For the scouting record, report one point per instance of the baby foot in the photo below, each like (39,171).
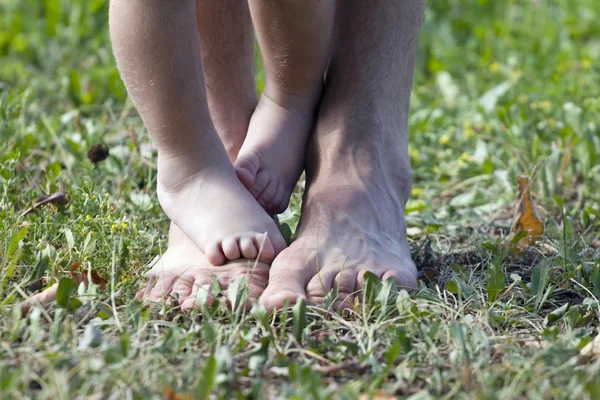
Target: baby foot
(207,201)
(272,157)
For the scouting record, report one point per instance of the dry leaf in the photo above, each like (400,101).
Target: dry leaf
(82,276)
(98,153)
(528,219)
(170,394)
(376,396)
(592,348)
(60,198)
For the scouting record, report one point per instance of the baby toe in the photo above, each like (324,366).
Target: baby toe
(247,247)
(260,183)
(246,168)
(214,253)
(266,251)
(231,248)
(266,196)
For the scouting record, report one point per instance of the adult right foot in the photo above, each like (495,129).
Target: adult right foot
(207,201)
(352,219)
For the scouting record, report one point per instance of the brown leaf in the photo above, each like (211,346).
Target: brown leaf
(379,395)
(528,219)
(82,276)
(58,198)
(97,153)
(170,394)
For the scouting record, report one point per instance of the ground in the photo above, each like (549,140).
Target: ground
(503,88)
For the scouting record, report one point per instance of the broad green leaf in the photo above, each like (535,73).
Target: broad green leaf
(299,319)
(496,282)
(66,288)
(539,280)
(371,287)
(286,232)
(15,239)
(207,380)
(557,314)
(237,292)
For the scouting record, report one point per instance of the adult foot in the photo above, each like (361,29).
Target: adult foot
(272,156)
(352,220)
(357,168)
(183,270)
(207,201)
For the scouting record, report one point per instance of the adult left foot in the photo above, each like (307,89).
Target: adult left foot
(183,270)
(352,218)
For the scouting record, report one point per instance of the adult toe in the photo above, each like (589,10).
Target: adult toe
(287,281)
(344,286)
(404,279)
(319,286)
(163,287)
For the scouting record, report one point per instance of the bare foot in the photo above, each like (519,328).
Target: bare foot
(215,211)
(352,222)
(272,157)
(183,270)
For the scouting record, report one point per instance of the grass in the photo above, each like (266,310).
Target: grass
(502,88)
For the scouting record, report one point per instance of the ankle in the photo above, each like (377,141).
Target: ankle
(304,101)
(176,169)
(358,150)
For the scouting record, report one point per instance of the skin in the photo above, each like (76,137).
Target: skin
(357,164)
(294,79)
(228,61)
(358,173)
(156,45)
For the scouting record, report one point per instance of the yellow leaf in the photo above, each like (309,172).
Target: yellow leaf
(528,219)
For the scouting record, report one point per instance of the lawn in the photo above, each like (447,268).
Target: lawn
(502,89)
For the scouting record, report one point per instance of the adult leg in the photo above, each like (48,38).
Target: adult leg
(295,38)
(156,45)
(358,171)
(227,49)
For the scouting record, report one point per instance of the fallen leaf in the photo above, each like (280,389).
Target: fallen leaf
(592,348)
(60,198)
(376,396)
(49,295)
(97,153)
(170,394)
(82,276)
(528,219)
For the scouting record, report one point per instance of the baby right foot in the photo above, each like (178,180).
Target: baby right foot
(210,205)
(272,157)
